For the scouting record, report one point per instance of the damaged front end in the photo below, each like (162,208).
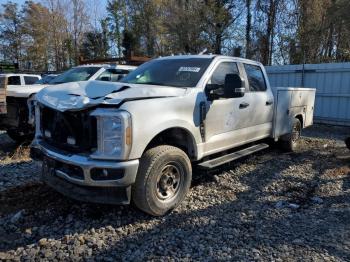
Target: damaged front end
(84,153)
(84,139)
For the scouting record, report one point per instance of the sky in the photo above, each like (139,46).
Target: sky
(103,2)
(14,1)
(100,3)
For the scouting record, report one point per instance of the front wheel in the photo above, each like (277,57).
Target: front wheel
(291,141)
(163,180)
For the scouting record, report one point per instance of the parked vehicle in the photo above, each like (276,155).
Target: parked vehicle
(93,72)
(13,102)
(15,118)
(137,140)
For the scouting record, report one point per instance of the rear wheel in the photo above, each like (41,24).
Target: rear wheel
(163,180)
(291,141)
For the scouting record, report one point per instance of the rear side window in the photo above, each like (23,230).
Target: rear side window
(113,75)
(255,77)
(224,68)
(29,80)
(14,80)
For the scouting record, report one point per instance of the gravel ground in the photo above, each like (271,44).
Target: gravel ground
(272,206)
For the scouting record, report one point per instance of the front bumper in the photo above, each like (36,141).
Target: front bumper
(81,177)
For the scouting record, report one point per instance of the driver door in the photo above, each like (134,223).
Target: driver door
(227,118)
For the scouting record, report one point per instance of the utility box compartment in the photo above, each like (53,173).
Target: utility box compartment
(3,86)
(289,103)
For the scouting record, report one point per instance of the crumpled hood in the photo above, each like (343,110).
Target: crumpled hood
(79,95)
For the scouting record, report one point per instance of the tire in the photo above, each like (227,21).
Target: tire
(291,141)
(163,180)
(18,137)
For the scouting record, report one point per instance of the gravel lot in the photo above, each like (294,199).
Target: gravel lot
(272,206)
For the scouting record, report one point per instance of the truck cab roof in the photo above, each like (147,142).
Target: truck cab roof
(110,66)
(15,74)
(238,59)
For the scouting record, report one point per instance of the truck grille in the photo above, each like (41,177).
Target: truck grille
(74,132)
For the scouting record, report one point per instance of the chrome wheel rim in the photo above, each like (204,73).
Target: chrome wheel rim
(169,182)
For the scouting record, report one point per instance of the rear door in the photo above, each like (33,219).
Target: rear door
(14,80)
(261,101)
(3,85)
(13,83)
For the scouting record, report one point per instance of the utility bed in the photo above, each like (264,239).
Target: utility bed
(289,102)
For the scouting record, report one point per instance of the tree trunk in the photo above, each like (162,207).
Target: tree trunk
(218,43)
(248,30)
(268,41)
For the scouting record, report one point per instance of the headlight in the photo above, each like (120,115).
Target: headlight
(113,134)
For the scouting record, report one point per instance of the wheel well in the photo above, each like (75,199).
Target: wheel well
(300,117)
(177,137)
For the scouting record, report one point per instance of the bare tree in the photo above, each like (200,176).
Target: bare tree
(35,27)
(248,27)
(58,34)
(78,21)
(11,32)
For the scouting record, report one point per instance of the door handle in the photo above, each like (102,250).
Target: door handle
(268,103)
(243,105)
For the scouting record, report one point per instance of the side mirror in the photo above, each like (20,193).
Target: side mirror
(234,86)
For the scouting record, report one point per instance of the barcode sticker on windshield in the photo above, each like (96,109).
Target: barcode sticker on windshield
(189,69)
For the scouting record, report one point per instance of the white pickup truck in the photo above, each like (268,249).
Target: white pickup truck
(15,95)
(137,140)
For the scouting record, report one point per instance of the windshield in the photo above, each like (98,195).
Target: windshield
(45,80)
(176,72)
(75,74)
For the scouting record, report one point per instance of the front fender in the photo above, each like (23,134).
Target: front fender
(143,137)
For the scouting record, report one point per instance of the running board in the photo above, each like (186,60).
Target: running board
(233,156)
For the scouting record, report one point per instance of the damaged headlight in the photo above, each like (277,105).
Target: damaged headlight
(113,134)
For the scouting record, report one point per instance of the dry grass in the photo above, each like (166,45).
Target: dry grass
(20,154)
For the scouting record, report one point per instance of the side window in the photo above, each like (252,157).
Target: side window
(113,75)
(255,77)
(29,80)
(14,80)
(104,76)
(224,68)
